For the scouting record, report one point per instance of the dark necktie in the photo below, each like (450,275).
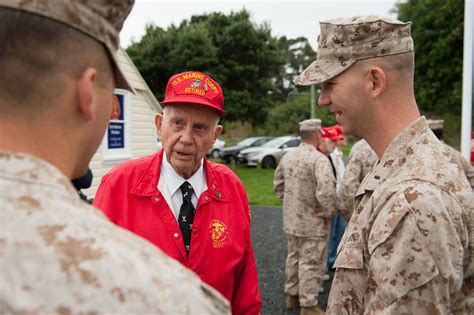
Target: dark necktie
(186,215)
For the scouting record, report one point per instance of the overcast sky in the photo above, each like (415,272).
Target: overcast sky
(289,18)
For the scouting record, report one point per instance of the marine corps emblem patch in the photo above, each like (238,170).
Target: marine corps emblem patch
(196,83)
(218,231)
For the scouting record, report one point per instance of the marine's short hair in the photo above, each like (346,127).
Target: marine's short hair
(39,56)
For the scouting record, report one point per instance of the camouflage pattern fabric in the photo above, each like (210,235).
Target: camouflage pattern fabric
(404,250)
(464,165)
(304,181)
(361,160)
(60,255)
(305,269)
(345,40)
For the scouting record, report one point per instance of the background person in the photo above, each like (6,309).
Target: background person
(195,210)
(360,162)
(305,182)
(438,126)
(407,242)
(338,223)
(58,254)
(337,136)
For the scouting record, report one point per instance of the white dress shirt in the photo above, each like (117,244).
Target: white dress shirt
(170,182)
(336,157)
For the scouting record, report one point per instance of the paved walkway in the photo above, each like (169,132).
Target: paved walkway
(269,243)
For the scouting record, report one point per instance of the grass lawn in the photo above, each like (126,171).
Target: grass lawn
(259,185)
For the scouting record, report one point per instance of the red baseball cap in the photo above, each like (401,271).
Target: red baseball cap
(194,87)
(333,132)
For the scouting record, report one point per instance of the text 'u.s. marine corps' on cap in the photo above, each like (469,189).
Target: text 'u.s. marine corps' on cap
(194,87)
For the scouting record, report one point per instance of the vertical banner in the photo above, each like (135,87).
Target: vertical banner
(117,109)
(116,130)
(116,143)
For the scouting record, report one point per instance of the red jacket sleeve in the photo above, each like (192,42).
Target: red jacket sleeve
(246,298)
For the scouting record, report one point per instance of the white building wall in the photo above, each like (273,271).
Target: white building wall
(143,132)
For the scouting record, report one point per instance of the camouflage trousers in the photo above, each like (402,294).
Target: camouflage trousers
(306,268)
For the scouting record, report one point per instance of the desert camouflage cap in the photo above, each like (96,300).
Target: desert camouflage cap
(100,19)
(345,40)
(310,124)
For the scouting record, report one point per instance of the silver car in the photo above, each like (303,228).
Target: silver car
(214,152)
(269,154)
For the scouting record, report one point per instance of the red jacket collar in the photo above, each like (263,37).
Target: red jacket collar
(148,181)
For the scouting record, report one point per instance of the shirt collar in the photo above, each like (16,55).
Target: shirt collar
(395,151)
(336,152)
(174,181)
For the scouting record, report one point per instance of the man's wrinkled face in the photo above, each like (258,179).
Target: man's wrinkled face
(187,132)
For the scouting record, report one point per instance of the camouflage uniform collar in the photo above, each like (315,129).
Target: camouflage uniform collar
(396,149)
(304,144)
(31,169)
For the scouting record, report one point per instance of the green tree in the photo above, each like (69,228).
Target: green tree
(298,55)
(285,116)
(242,56)
(437,31)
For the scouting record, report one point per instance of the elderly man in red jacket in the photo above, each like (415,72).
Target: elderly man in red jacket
(194,210)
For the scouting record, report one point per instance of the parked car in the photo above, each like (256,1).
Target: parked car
(214,152)
(231,153)
(270,153)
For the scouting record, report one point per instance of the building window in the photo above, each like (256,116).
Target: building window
(116,144)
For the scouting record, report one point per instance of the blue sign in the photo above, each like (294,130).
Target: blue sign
(116,135)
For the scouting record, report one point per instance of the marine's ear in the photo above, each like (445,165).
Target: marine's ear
(85,93)
(377,81)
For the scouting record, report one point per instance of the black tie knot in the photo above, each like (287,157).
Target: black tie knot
(187,191)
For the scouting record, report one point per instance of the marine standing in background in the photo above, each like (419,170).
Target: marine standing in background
(305,182)
(338,223)
(438,126)
(337,137)
(361,161)
(406,248)
(59,255)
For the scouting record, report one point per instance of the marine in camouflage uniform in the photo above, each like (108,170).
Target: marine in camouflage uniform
(463,164)
(59,255)
(408,246)
(361,160)
(403,252)
(305,182)
(437,125)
